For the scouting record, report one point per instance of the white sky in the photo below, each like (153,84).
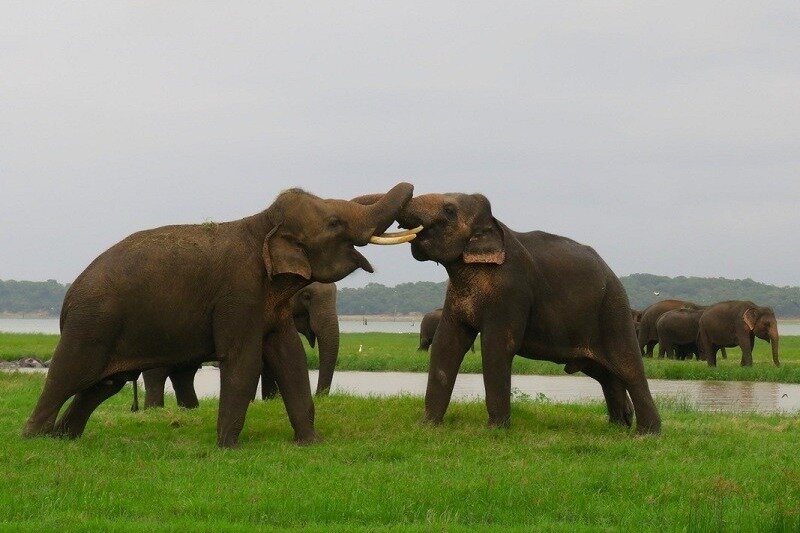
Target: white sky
(666,137)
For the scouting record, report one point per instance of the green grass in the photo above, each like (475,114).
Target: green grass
(560,467)
(398,352)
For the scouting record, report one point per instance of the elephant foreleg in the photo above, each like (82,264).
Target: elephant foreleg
(450,344)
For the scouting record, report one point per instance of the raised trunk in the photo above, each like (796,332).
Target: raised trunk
(380,214)
(773,340)
(325,325)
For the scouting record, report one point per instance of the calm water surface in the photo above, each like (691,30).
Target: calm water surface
(727,396)
(50,325)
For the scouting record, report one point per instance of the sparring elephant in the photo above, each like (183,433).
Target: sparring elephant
(180,295)
(537,295)
(677,332)
(737,323)
(314,314)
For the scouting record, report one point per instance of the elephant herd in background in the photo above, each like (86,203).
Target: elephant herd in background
(682,329)
(177,296)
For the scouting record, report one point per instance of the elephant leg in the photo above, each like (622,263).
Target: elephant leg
(154,381)
(183,382)
(450,344)
(707,348)
(619,405)
(75,366)
(724,353)
(73,421)
(650,347)
(287,358)
(269,383)
(746,344)
(496,358)
(237,341)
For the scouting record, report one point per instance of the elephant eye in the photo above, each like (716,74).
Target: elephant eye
(334,223)
(449,210)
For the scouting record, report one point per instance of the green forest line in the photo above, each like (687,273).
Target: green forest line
(45,297)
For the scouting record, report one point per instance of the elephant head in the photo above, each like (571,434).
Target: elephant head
(314,309)
(455,227)
(762,323)
(315,238)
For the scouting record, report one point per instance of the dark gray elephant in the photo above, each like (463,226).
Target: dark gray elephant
(677,332)
(737,323)
(314,314)
(181,295)
(648,334)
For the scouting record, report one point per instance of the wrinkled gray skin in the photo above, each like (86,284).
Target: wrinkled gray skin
(314,313)
(737,323)
(181,295)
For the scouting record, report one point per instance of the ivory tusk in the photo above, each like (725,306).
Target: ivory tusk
(403,233)
(380,239)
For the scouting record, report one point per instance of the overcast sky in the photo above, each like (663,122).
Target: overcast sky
(666,137)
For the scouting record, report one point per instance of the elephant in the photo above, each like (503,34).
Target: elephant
(535,294)
(427,329)
(314,314)
(636,316)
(648,335)
(677,332)
(184,294)
(737,323)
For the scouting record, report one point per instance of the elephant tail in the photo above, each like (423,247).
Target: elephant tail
(135,405)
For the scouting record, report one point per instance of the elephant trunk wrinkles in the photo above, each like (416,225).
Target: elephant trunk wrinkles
(773,340)
(326,326)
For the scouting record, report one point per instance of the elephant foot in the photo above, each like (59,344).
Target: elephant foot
(307,440)
(499,423)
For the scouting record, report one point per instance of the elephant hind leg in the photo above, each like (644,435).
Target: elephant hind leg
(183,382)
(620,408)
(73,421)
(75,367)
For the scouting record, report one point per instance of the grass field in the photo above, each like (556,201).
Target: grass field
(560,467)
(398,352)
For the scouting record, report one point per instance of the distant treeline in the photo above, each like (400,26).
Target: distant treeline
(421,297)
(22,297)
(375,299)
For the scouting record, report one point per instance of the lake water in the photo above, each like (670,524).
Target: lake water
(50,325)
(725,396)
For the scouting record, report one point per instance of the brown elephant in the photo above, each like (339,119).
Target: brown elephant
(677,332)
(180,295)
(314,314)
(537,295)
(737,323)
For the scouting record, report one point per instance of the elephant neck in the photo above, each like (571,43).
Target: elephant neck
(260,224)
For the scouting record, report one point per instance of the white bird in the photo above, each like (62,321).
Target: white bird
(360,347)
(656,293)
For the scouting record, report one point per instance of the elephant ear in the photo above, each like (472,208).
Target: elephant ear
(283,256)
(485,246)
(749,318)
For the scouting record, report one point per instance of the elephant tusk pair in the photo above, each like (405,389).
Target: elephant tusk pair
(397,237)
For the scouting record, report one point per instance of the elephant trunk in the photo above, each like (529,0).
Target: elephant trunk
(325,325)
(773,340)
(379,212)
